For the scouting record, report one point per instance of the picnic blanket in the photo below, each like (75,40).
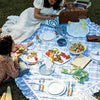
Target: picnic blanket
(29,82)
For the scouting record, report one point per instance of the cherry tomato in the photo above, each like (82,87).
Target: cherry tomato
(47,53)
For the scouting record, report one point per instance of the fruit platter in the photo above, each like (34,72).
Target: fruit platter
(57,56)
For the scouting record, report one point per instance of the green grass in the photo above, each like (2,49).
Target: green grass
(16,92)
(12,7)
(15,7)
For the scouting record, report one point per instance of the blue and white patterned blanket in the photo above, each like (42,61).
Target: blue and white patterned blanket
(29,82)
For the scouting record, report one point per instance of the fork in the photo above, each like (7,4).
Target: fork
(39,84)
(71,89)
(68,88)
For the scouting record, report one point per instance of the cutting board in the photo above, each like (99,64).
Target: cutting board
(81,61)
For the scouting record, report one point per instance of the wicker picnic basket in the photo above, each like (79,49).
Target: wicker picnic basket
(71,13)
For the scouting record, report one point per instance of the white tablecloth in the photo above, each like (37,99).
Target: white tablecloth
(29,82)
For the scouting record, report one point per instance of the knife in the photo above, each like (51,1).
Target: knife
(38,62)
(68,88)
(32,63)
(42,87)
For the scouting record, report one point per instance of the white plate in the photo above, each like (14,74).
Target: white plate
(70,43)
(24,57)
(47,36)
(56,88)
(64,59)
(76,30)
(94,55)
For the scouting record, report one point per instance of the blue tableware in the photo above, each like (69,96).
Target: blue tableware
(61,42)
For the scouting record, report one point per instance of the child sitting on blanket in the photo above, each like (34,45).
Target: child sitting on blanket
(17,46)
(9,68)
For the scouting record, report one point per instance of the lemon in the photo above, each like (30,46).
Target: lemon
(84,28)
(80,23)
(75,28)
(85,23)
(21,49)
(69,22)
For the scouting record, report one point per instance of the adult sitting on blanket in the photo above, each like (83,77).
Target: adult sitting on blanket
(23,26)
(9,68)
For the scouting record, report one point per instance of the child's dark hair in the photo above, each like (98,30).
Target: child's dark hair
(5,44)
(55,6)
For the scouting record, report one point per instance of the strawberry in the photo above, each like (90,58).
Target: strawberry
(67,56)
(64,55)
(61,53)
(35,58)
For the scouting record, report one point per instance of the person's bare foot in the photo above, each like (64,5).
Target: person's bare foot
(0,30)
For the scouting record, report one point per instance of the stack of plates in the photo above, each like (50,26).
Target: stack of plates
(56,88)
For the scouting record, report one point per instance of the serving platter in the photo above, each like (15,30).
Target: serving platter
(64,55)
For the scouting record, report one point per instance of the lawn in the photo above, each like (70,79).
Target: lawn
(15,7)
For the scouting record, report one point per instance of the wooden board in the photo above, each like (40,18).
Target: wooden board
(81,61)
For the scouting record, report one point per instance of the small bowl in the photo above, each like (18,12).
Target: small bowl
(61,42)
(70,43)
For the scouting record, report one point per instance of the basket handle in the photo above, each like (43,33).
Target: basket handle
(69,5)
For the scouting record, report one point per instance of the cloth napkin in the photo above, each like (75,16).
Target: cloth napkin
(52,23)
(77,72)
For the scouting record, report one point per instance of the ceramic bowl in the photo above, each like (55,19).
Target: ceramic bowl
(70,44)
(61,42)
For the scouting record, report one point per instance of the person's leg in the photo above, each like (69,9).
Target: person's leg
(23,68)
(0,30)
(7,81)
